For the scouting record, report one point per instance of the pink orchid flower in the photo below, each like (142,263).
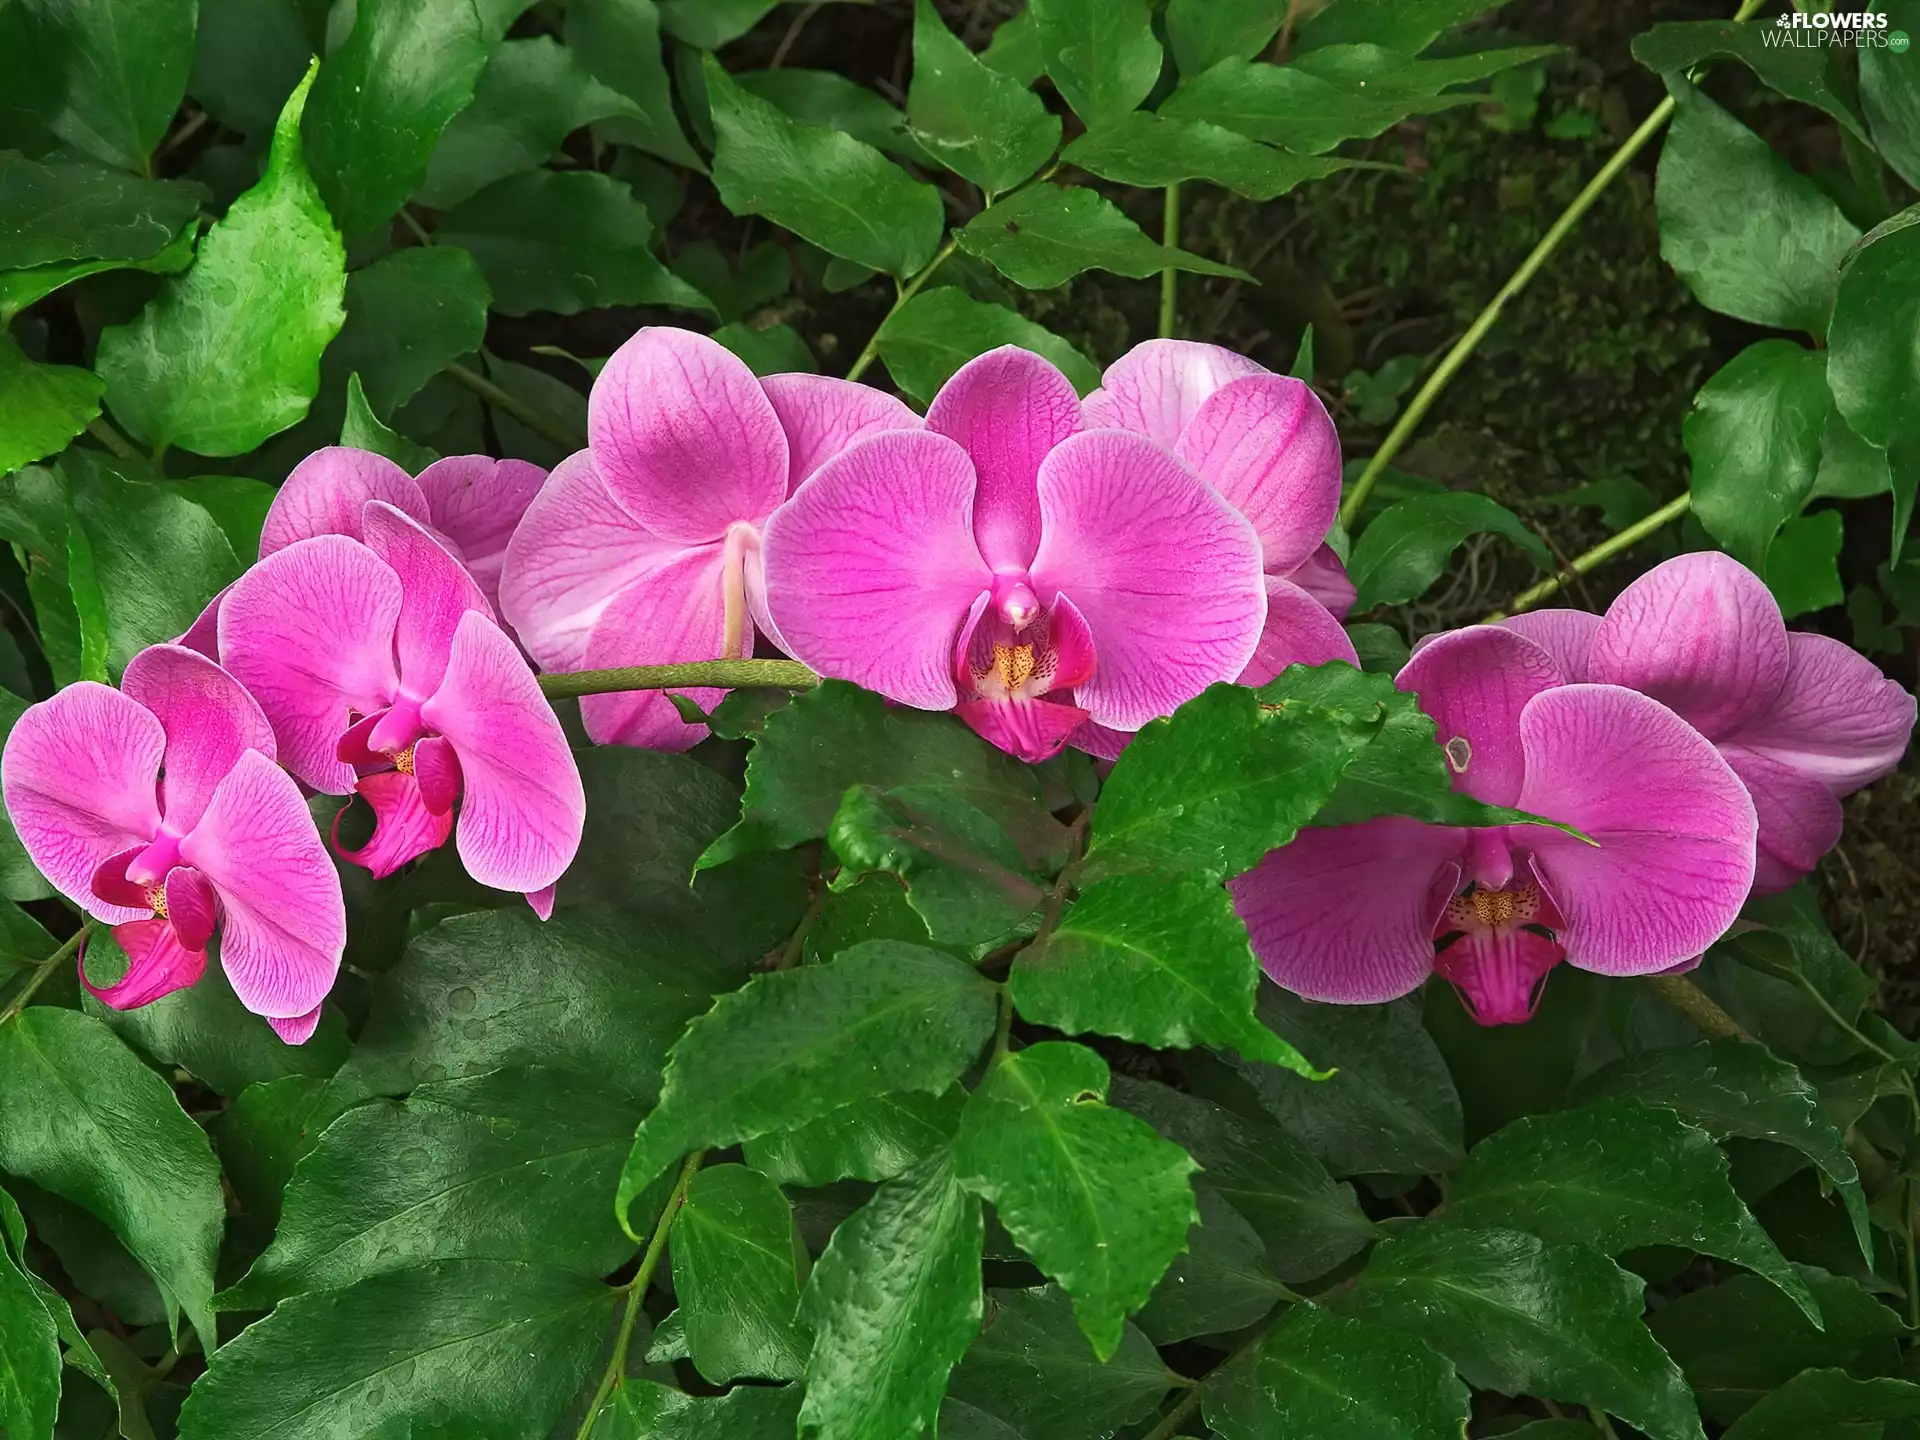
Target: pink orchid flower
(644,549)
(1358,914)
(1266,443)
(381,669)
(1039,578)
(158,808)
(1801,718)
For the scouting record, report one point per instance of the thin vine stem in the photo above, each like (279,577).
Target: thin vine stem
(1171,1422)
(1170,277)
(1701,1008)
(43,972)
(530,416)
(692,674)
(907,291)
(102,430)
(1598,555)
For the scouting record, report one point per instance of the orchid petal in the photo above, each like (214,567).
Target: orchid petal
(1475,683)
(437,769)
(872,566)
(1672,828)
(684,436)
(309,631)
(1498,972)
(574,551)
(1323,577)
(1800,818)
(1166,573)
(677,613)
(1029,730)
(1700,633)
(1158,386)
(1007,409)
(522,805)
(1346,914)
(157,965)
(1267,444)
(283,922)
(191,906)
(204,634)
(404,828)
(1836,719)
(1299,631)
(822,416)
(476,501)
(325,493)
(435,591)
(541,900)
(79,775)
(1567,635)
(209,718)
(298,1029)
(110,883)
(1100,742)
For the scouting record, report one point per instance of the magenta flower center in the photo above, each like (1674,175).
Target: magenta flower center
(1496,945)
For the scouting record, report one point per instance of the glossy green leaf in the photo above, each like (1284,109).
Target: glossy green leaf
(503,1347)
(1334,1378)
(1751,236)
(1155,150)
(776,350)
(29,1350)
(1754,439)
(1812,74)
(87,1121)
(21,288)
(1827,1402)
(237,504)
(364,430)
(830,101)
(1093,1194)
(964,877)
(564,241)
(1045,235)
(1101,54)
(825,186)
(42,407)
(1227,778)
(930,337)
(61,209)
(1890,94)
(978,122)
(13,1241)
(1408,26)
(894,1303)
(619,43)
(1408,545)
(710,24)
(1014,49)
(1033,1370)
(874,1139)
(1202,33)
(384,96)
(737,1268)
(1523,1317)
(792,1046)
(1850,468)
(264,1134)
(1390,1108)
(1872,359)
(1308,1221)
(1616,1175)
(1157,959)
(248,56)
(123,66)
(1224,1282)
(1803,564)
(268,284)
(642,1410)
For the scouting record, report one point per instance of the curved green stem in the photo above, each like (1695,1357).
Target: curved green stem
(717,674)
(102,430)
(1698,1006)
(530,416)
(907,291)
(43,971)
(1598,555)
(1170,277)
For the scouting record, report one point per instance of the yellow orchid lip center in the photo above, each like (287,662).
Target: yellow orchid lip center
(1487,909)
(1015,664)
(403,762)
(157,898)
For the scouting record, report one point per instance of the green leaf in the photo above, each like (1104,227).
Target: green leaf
(384,96)
(894,1303)
(791,1046)
(1754,439)
(42,407)
(1202,33)
(1803,564)
(1098,1199)
(1014,49)
(1032,1369)
(411,314)
(19,880)
(1811,74)
(825,186)
(1408,26)
(267,284)
(829,100)
(1873,355)
(364,430)
(709,24)
(836,736)
(1850,468)
(29,1348)
(564,241)
(1408,545)
(1101,54)
(981,124)
(21,288)
(503,1347)
(1731,1087)
(123,66)
(930,337)
(60,209)
(237,504)
(1156,150)
(737,1268)
(1160,960)
(1223,1283)
(87,1121)
(1308,1221)
(1890,94)
(619,42)
(1827,1402)
(1045,235)
(875,1139)
(1228,777)
(1751,236)
(264,1134)
(1390,1108)
(248,57)
(775,350)
(1526,1318)
(507,1166)
(1333,1378)
(964,877)
(642,1410)
(1616,1175)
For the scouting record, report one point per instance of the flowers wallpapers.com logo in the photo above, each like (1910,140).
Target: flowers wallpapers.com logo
(1861,29)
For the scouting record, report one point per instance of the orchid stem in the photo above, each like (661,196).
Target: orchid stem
(1464,347)
(694,674)
(531,417)
(1170,277)
(1595,557)
(907,291)
(102,430)
(1698,1006)
(40,975)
